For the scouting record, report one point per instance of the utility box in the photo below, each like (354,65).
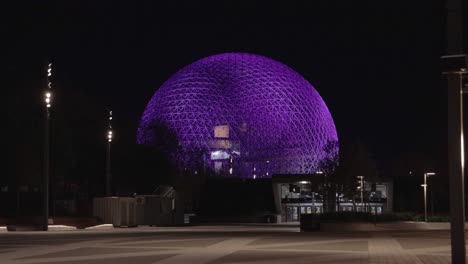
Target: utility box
(118,211)
(163,208)
(159,210)
(148,209)
(126,216)
(105,207)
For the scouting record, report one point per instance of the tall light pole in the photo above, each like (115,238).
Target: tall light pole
(427,174)
(46,165)
(456,157)
(361,188)
(455,68)
(110,135)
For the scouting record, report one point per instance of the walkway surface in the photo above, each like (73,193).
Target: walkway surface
(224,244)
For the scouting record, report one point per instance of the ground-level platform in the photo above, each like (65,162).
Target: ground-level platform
(226,244)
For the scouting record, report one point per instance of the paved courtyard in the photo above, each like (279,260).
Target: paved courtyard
(223,245)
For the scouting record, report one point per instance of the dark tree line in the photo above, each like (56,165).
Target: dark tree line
(341,168)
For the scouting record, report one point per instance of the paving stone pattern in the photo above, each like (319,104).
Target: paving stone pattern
(224,245)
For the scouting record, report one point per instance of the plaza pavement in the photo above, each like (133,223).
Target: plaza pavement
(230,244)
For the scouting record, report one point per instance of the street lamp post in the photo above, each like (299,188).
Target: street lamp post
(110,135)
(456,166)
(427,174)
(46,165)
(361,188)
(456,155)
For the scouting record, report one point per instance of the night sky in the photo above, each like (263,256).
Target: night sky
(375,64)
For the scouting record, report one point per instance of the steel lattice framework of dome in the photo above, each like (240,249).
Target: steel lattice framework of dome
(242,114)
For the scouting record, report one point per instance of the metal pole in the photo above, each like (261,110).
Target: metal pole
(431,194)
(108,169)
(455,134)
(362,191)
(313,202)
(456,167)
(45,183)
(425,197)
(46,165)
(108,156)
(361,178)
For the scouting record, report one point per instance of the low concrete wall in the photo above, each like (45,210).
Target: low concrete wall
(271,218)
(383,226)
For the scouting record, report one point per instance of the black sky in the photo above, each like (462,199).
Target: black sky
(376,64)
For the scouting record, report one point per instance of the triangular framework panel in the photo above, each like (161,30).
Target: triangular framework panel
(278,122)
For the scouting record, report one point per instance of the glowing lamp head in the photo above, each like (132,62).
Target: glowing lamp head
(49,70)
(48,99)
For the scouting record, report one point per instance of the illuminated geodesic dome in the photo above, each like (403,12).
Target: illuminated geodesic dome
(241,114)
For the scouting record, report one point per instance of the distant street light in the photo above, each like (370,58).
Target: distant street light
(427,174)
(361,188)
(110,135)
(46,165)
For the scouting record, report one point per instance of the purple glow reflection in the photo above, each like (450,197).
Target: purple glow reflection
(265,115)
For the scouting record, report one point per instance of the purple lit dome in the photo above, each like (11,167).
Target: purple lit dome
(242,115)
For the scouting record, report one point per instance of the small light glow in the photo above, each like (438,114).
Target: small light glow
(230,171)
(319,172)
(48,97)
(219,155)
(110,117)
(462,150)
(303,182)
(255,176)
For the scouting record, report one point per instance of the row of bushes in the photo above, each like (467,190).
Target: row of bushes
(386,217)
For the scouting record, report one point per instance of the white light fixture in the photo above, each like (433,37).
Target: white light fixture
(109,135)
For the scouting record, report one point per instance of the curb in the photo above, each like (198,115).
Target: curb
(100,227)
(61,228)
